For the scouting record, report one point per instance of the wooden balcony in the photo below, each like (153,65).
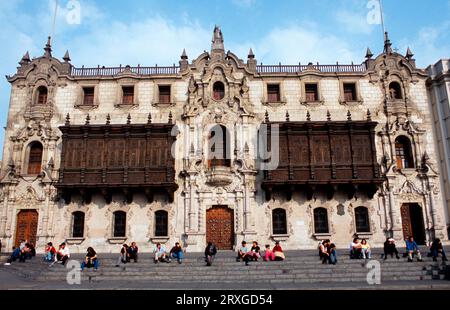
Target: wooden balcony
(325,156)
(109,159)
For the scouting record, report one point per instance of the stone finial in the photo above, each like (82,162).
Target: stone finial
(328,116)
(25,59)
(66,57)
(425,158)
(251,55)
(409,54)
(267,120)
(349,116)
(108,119)
(369,115)
(170,118)
(308,116)
(88,120)
(129,119)
(369,54)
(246,148)
(288,118)
(217,40)
(48,48)
(184,56)
(67,123)
(387,44)
(149,118)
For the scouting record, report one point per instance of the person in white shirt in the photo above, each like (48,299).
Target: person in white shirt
(63,254)
(355,249)
(160,253)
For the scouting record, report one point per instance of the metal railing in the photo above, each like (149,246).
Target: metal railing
(300,68)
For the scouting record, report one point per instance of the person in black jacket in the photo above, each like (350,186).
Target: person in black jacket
(436,248)
(390,248)
(210,253)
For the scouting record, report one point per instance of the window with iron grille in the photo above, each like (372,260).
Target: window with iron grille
(42,95)
(88,98)
(362,220)
(120,221)
(312,92)
(164,93)
(273,93)
(128,94)
(161,224)
(321,221)
(279,223)
(350,92)
(35,158)
(78,224)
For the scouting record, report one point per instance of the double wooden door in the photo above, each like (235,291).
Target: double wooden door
(27,225)
(220,227)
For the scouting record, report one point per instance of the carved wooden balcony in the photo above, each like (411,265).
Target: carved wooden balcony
(126,159)
(325,156)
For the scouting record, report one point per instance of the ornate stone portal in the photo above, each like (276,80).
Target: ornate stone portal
(356,146)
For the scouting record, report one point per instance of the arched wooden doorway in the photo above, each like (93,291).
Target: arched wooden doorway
(27,225)
(220,227)
(413,222)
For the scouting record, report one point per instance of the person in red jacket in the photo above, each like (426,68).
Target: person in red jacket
(278,252)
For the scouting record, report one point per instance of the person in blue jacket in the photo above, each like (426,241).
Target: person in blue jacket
(413,248)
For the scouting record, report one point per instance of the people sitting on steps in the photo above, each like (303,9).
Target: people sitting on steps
(133,252)
(412,249)
(14,256)
(243,253)
(63,254)
(124,256)
(390,248)
(323,250)
(436,249)
(278,252)
(268,254)
(160,254)
(50,253)
(356,249)
(91,260)
(365,249)
(210,253)
(254,253)
(177,253)
(332,254)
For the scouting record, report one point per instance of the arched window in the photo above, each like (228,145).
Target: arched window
(78,224)
(120,222)
(218,91)
(362,220)
(403,153)
(218,147)
(395,91)
(321,221)
(42,94)
(35,158)
(279,223)
(161,224)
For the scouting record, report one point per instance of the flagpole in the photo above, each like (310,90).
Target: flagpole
(54,20)
(382,20)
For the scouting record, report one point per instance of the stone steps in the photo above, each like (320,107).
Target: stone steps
(302,267)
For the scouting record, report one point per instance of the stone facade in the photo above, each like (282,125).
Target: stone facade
(245,105)
(439,94)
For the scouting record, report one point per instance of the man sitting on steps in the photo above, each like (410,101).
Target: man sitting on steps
(160,254)
(243,253)
(412,248)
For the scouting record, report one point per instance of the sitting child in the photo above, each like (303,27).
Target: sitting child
(50,252)
(268,255)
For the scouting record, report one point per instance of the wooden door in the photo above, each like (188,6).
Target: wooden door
(406,221)
(220,227)
(27,224)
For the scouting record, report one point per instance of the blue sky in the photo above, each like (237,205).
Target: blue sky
(149,32)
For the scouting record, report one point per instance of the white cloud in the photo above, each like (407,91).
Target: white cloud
(244,3)
(354,21)
(429,45)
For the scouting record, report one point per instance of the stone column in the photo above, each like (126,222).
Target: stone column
(395,227)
